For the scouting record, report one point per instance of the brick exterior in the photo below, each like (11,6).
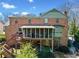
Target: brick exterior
(16,22)
(63,22)
(37,21)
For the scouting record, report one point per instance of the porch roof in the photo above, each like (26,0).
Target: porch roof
(36,26)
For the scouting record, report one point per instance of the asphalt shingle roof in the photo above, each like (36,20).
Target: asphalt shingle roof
(53,14)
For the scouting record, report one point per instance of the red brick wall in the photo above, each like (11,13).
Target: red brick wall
(14,24)
(37,21)
(13,27)
(64,23)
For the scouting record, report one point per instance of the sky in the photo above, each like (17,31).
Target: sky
(23,7)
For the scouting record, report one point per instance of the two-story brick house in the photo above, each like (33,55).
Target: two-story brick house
(49,29)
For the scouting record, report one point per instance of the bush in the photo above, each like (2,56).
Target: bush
(76,36)
(63,49)
(2,37)
(26,51)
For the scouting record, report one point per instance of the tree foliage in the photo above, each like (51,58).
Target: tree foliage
(73,28)
(77,36)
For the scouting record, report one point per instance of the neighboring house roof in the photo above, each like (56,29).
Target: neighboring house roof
(53,14)
(7,23)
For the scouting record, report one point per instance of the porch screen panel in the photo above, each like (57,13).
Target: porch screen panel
(50,33)
(41,33)
(37,33)
(33,33)
(28,32)
(46,33)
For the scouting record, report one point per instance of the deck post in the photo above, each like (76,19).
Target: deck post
(30,34)
(39,32)
(35,32)
(52,39)
(44,33)
(40,45)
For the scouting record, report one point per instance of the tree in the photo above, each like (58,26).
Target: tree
(73,28)
(26,51)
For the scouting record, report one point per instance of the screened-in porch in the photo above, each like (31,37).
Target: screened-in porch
(37,32)
(42,35)
(48,35)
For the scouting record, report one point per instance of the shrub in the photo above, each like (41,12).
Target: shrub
(2,37)
(63,49)
(26,51)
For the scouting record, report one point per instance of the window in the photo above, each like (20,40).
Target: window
(16,21)
(20,31)
(37,33)
(57,20)
(29,21)
(46,20)
(33,33)
(41,33)
(28,32)
(50,33)
(46,33)
(58,31)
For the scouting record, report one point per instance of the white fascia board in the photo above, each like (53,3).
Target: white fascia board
(37,27)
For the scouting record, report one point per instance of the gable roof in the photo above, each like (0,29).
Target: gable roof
(53,14)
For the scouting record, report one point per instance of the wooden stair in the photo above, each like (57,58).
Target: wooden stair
(7,49)
(7,52)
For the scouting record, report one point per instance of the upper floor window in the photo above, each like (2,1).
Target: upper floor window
(16,21)
(46,20)
(58,31)
(57,20)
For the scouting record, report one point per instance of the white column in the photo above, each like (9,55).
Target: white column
(53,35)
(44,32)
(23,33)
(31,32)
(47,41)
(26,32)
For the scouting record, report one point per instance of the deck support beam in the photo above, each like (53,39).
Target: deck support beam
(40,45)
